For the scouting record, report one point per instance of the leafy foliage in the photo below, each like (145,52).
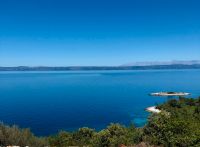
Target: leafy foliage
(20,137)
(179,127)
(113,135)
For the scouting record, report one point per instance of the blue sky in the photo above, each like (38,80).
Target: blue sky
(98,32)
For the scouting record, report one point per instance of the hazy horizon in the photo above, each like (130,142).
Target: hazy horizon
(98,33)
(142,63)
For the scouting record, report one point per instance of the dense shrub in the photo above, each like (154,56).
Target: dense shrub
(116,134)
(180,127)
(113,135)
(12,135)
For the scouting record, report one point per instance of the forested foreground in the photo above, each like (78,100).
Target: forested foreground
(178,124)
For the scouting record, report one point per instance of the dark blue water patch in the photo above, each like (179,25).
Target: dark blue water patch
(47,102)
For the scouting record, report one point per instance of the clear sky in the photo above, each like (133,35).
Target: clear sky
(98,32)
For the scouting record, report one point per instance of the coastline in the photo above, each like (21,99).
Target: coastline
(153,109)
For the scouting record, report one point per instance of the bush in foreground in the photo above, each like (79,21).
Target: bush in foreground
(12,135)
(113,136)
(179,127)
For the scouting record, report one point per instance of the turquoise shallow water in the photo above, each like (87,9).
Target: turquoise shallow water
(48,102)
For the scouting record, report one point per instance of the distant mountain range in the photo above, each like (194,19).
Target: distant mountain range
(174,62)
(195,64)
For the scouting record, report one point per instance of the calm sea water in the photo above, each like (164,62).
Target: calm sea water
(47,102)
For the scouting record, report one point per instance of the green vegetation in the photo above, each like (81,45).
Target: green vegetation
(21,137)
(178,125)
(113,135)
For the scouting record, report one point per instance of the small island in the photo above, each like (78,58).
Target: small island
(170,94)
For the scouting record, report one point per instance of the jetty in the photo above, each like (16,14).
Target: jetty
(153,109)
(169,94)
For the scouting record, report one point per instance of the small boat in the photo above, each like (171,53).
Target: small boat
(170,94)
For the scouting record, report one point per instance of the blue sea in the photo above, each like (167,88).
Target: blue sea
(47,102)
